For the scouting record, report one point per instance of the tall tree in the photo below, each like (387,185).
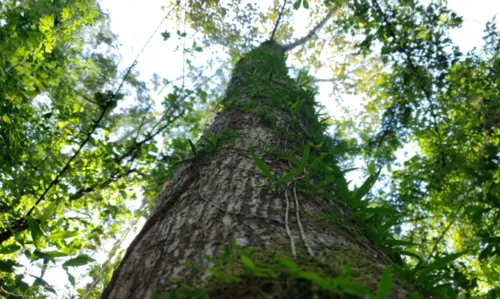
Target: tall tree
(258,181)
(74,156)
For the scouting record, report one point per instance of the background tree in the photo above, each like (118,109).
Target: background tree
(72,152)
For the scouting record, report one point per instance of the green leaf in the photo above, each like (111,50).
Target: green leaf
(9,249)
(291,267)
(380,211)
(165,35)
(248,263)
(293,160)
(359,193)
(36,231)
(305,3)
(317,279)
(193,148)
(412,254)
(328,179)
(296,5)
(224,277)
(7,266)
(80,260)
(344,191)
(48,212)
(305,155)
(397,243)
(262,166)
(71,279)
(440,263)
(415,295)
(385,285)
(290,175)
(6,119)
(54,254)
(390,223)
(346,285)
(58,235)
(317,161)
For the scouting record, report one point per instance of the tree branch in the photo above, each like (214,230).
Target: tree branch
(278,21)
(311,33)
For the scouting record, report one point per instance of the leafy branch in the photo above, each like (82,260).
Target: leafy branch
(109,103)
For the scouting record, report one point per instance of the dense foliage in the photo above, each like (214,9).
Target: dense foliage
(85,144)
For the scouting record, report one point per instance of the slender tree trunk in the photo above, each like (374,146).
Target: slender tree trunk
(218,197)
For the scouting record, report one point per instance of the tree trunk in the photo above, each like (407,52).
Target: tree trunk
(218,199)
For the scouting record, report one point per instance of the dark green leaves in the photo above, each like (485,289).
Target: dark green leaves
(193,149)
(438,264)
(290,175)
(9,249)
(362,191)
(165,35)
(397,243)
(296,4)
(305,3)
(7,265)
(80,260)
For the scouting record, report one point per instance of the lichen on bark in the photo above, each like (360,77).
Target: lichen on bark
(223,196)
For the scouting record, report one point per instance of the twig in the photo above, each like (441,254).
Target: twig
(113,251)
(9,293)
(309,35)
(434,248)
(154,33)
(278,21)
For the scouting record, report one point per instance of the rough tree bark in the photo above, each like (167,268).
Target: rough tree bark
(218,197)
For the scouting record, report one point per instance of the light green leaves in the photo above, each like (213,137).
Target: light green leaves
(257,270)
(6,119)
(48,212)
(60,235)
(65,14)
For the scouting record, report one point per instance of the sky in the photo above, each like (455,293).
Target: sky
(135,21)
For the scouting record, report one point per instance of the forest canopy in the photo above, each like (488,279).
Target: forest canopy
(87,142)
